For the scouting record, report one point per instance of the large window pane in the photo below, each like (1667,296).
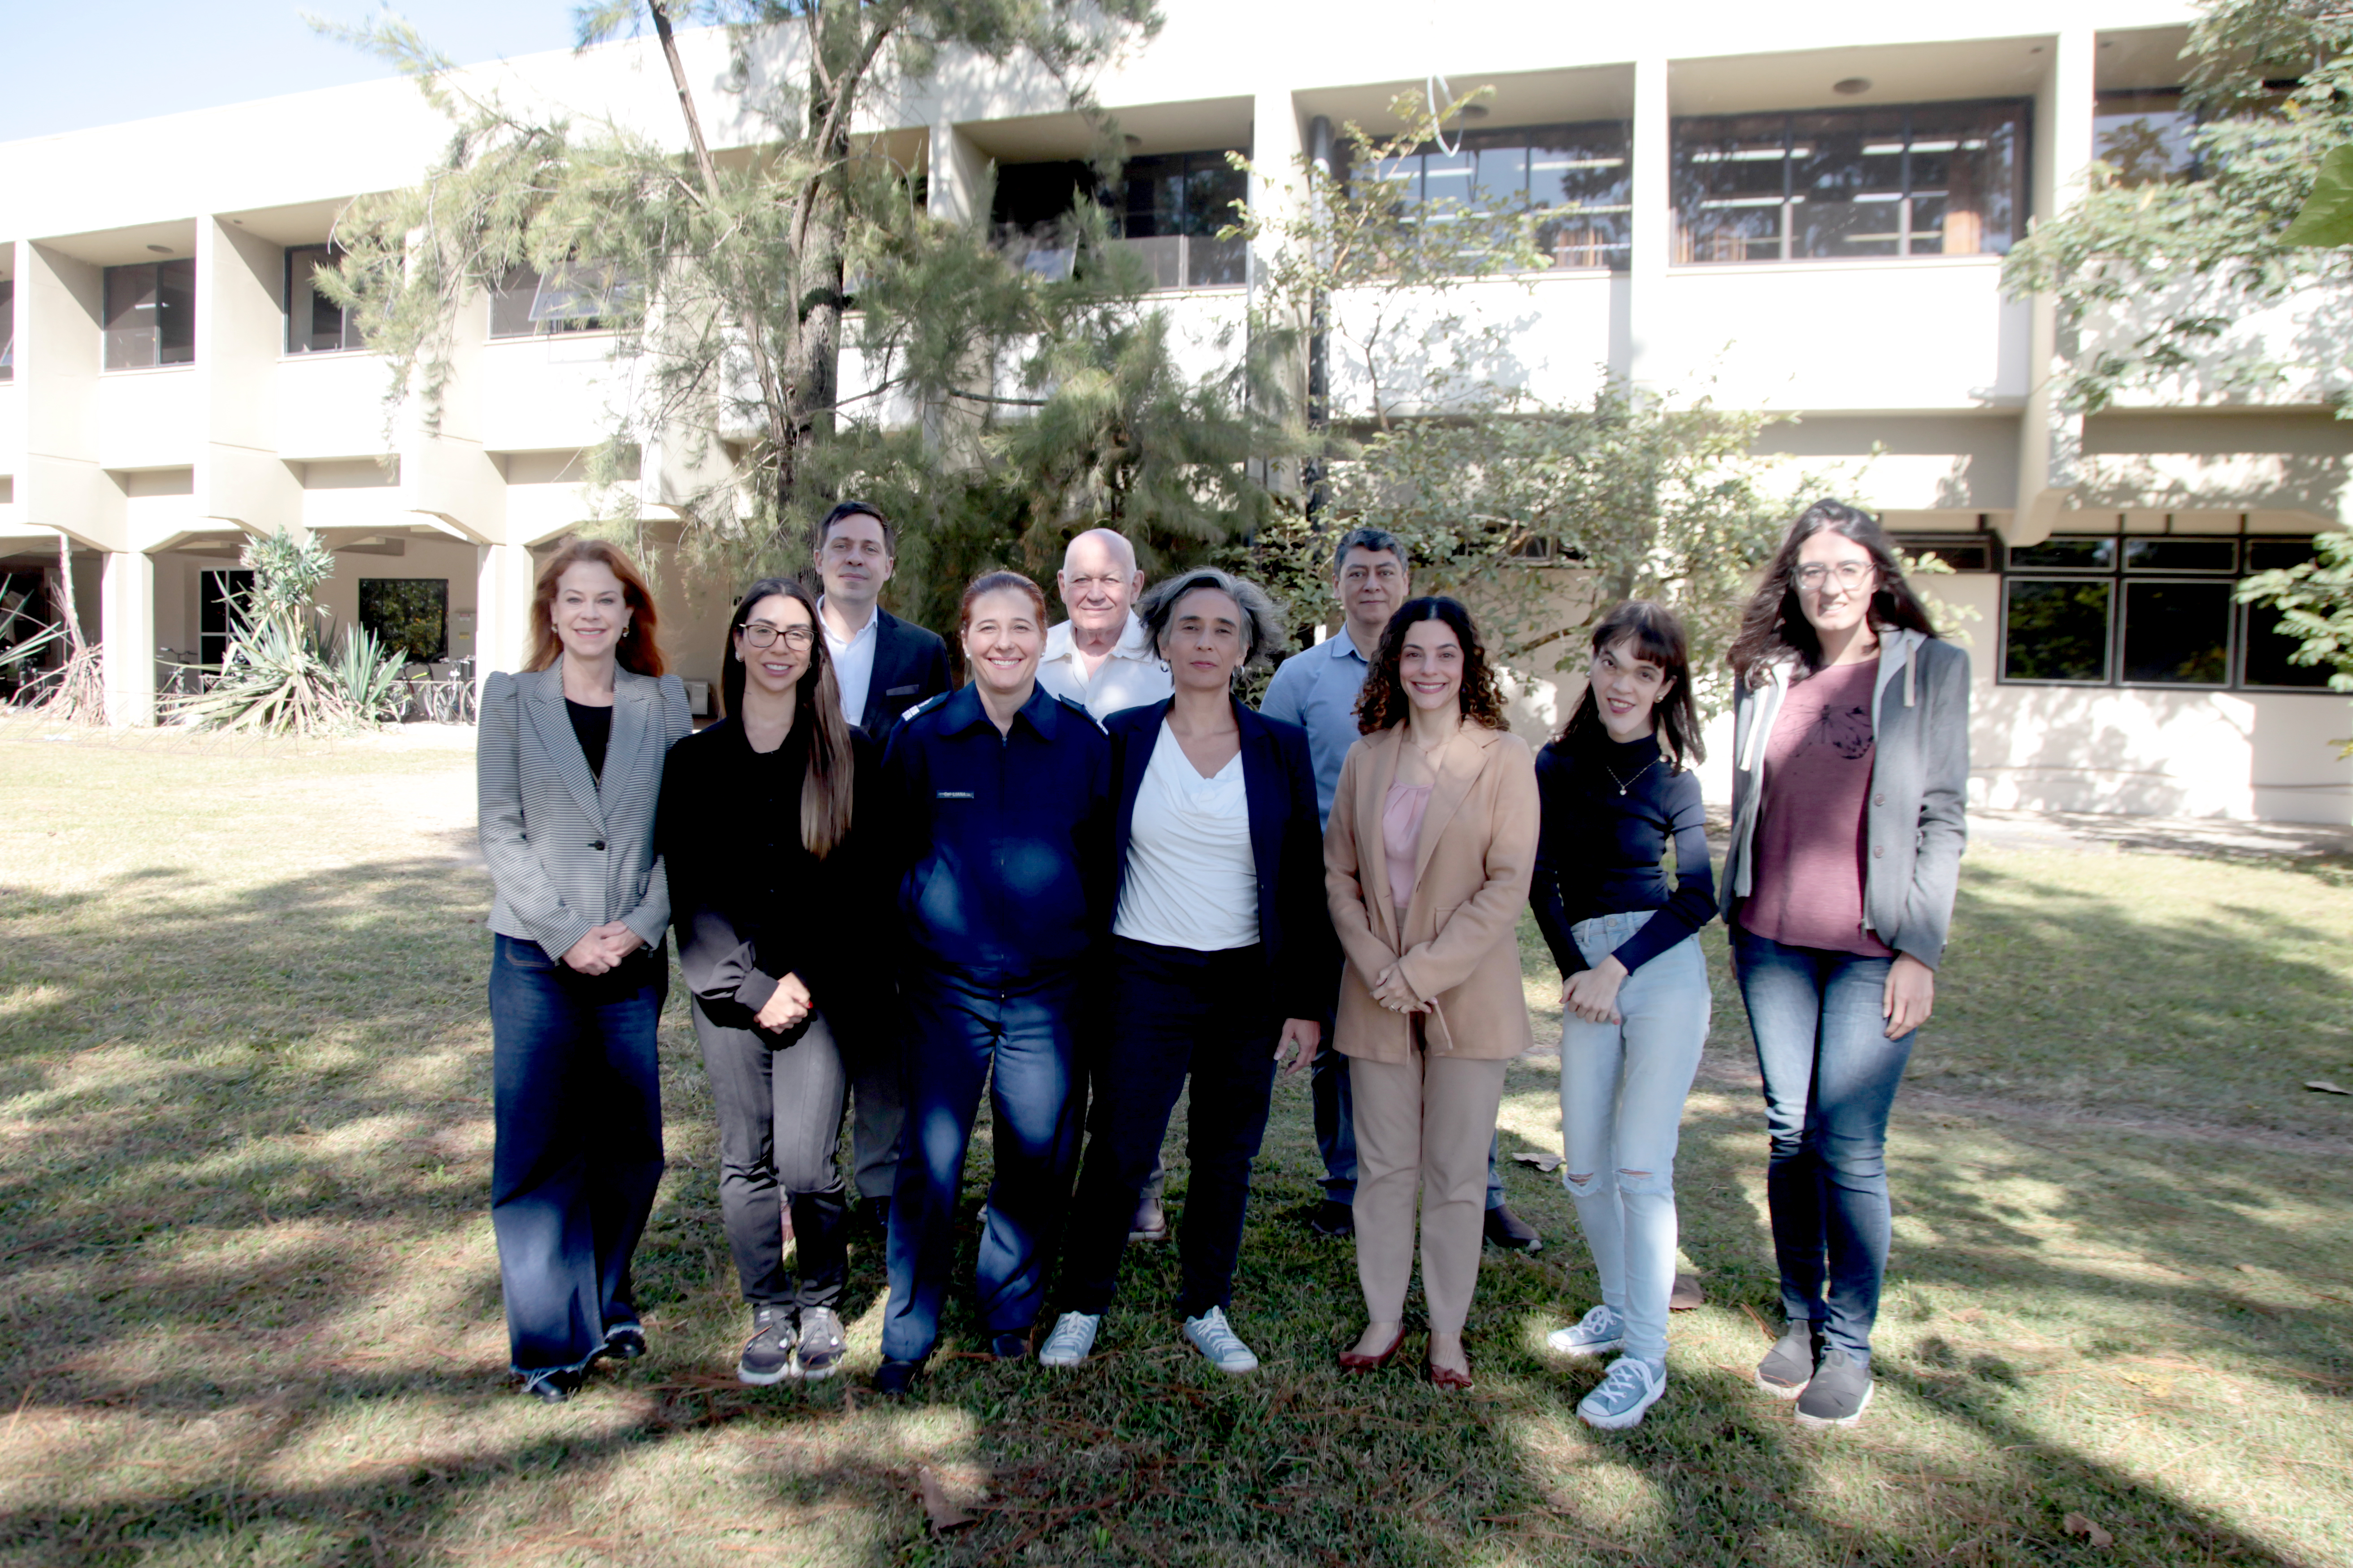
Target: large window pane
(220,601)
(314,323)
(1213,186)
(408,615)
(1581,172)
(1846,183)
(2277,555)
(1965,160)
(2178,634)
(1730,186)
(131,320)
(2144,136)
(511,303)
(2055,630)
(175,312)
(2269,658)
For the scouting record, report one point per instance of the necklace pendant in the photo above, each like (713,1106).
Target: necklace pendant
(1622,791)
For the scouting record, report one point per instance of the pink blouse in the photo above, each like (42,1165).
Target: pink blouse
(1401,836)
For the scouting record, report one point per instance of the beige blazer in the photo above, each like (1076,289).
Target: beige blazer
(1461,941)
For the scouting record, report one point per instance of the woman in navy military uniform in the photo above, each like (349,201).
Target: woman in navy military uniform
(1003,798)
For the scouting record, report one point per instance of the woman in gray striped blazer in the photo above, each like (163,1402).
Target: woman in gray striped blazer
(569,770)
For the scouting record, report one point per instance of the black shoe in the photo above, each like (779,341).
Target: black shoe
(892,1378)
(624,1342)
(1012,1346)
(1788,1366)
(1510,1232)
(875,1212)
(1838,1395)
(767,1355)
(1151,1221)
(1333,1218)
(822,1346)
(552,1387)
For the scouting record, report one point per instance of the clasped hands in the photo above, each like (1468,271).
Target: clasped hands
(1391,991)
(604,948)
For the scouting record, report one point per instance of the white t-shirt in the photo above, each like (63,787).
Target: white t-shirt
(853,661)
(1130,676)
(1192,880)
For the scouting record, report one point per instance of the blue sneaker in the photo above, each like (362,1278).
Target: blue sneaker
(1633,1386)
(1598,1333)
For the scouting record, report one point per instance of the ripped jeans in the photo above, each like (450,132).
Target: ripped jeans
(1622,1110)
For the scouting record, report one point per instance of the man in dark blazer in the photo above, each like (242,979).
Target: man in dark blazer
(884,666)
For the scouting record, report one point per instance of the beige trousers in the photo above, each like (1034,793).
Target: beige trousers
(1422,1124)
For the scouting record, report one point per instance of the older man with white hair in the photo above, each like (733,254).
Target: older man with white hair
(1102,658)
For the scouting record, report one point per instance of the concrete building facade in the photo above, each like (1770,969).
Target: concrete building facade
(1803,212)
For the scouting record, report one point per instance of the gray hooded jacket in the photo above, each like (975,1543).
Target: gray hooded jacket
(1915,827)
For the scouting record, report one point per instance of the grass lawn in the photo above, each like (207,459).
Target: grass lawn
(249,1309)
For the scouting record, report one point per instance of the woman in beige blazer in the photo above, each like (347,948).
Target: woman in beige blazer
(1427,860)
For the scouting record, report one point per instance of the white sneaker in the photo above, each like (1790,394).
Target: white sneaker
(1599,1333)
(1210,1334)
(1073,1337)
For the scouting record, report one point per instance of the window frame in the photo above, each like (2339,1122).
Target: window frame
(2239,627)
(1417,208)
(108,331)
(362,612)
(350,341)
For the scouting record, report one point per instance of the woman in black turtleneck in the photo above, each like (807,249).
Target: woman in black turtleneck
(1617,790)
(765,816)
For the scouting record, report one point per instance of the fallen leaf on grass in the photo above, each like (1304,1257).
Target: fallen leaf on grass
(1551,1163)
(938,1507)
(1687,1294)
(2325,1087)
(2094,1536)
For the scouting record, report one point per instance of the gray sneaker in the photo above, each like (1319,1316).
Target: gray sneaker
(1599,1333)
(1214,1337)
(822,1344)
(1788,1366)
(1633,1386)
(1071,1341)
(1838,1394)
(768,1355)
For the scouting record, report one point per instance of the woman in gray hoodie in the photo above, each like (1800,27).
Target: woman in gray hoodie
(1851,760)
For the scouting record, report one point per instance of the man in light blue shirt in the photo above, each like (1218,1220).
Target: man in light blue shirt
(1316,689)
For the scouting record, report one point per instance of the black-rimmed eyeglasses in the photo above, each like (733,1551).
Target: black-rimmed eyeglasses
(759,634)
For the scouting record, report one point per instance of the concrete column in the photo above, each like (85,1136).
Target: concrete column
(61,485)
(2050,438)
(1278,193)
(127,604)
(1645,364)
(957,174)
(240,330)
(502,584)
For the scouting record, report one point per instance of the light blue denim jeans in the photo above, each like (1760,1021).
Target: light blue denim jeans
(1622,1108)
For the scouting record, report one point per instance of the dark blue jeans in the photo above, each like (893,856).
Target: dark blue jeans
(1174,1012)
(577,1099)
(1017,1037)
(1831,1073)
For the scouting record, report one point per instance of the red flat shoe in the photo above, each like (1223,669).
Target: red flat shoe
(1446,1377)
(1353,1360)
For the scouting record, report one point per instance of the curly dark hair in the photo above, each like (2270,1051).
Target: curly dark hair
(1774,626)
(1383,703)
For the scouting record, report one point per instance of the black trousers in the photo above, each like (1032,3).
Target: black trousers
(1174,1012)
(779,1098)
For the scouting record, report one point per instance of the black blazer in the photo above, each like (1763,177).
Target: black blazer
(910,666)
(1294,922)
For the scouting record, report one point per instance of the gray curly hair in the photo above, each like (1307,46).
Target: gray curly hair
(1263,634)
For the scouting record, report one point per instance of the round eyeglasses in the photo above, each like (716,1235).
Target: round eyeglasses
(1851,574)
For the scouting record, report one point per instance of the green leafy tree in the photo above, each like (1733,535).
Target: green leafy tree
(1041,404)
(2186,253)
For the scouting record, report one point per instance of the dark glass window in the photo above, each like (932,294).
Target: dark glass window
(1940,179)
(2277,555)
(2266,657)
(2145,136)
(2055,630)
(1962,553)
(1576,179)
(7,329)
(2178,633)
(1166,209)
(220,598)
(2177,554)
(408,615)
(150,315)
(314,323)
(2066,555)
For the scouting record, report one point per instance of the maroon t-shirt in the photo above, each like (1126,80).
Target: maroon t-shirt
(1806,860)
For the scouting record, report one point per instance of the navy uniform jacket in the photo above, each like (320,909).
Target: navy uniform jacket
(1003,841)
(1286,831)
